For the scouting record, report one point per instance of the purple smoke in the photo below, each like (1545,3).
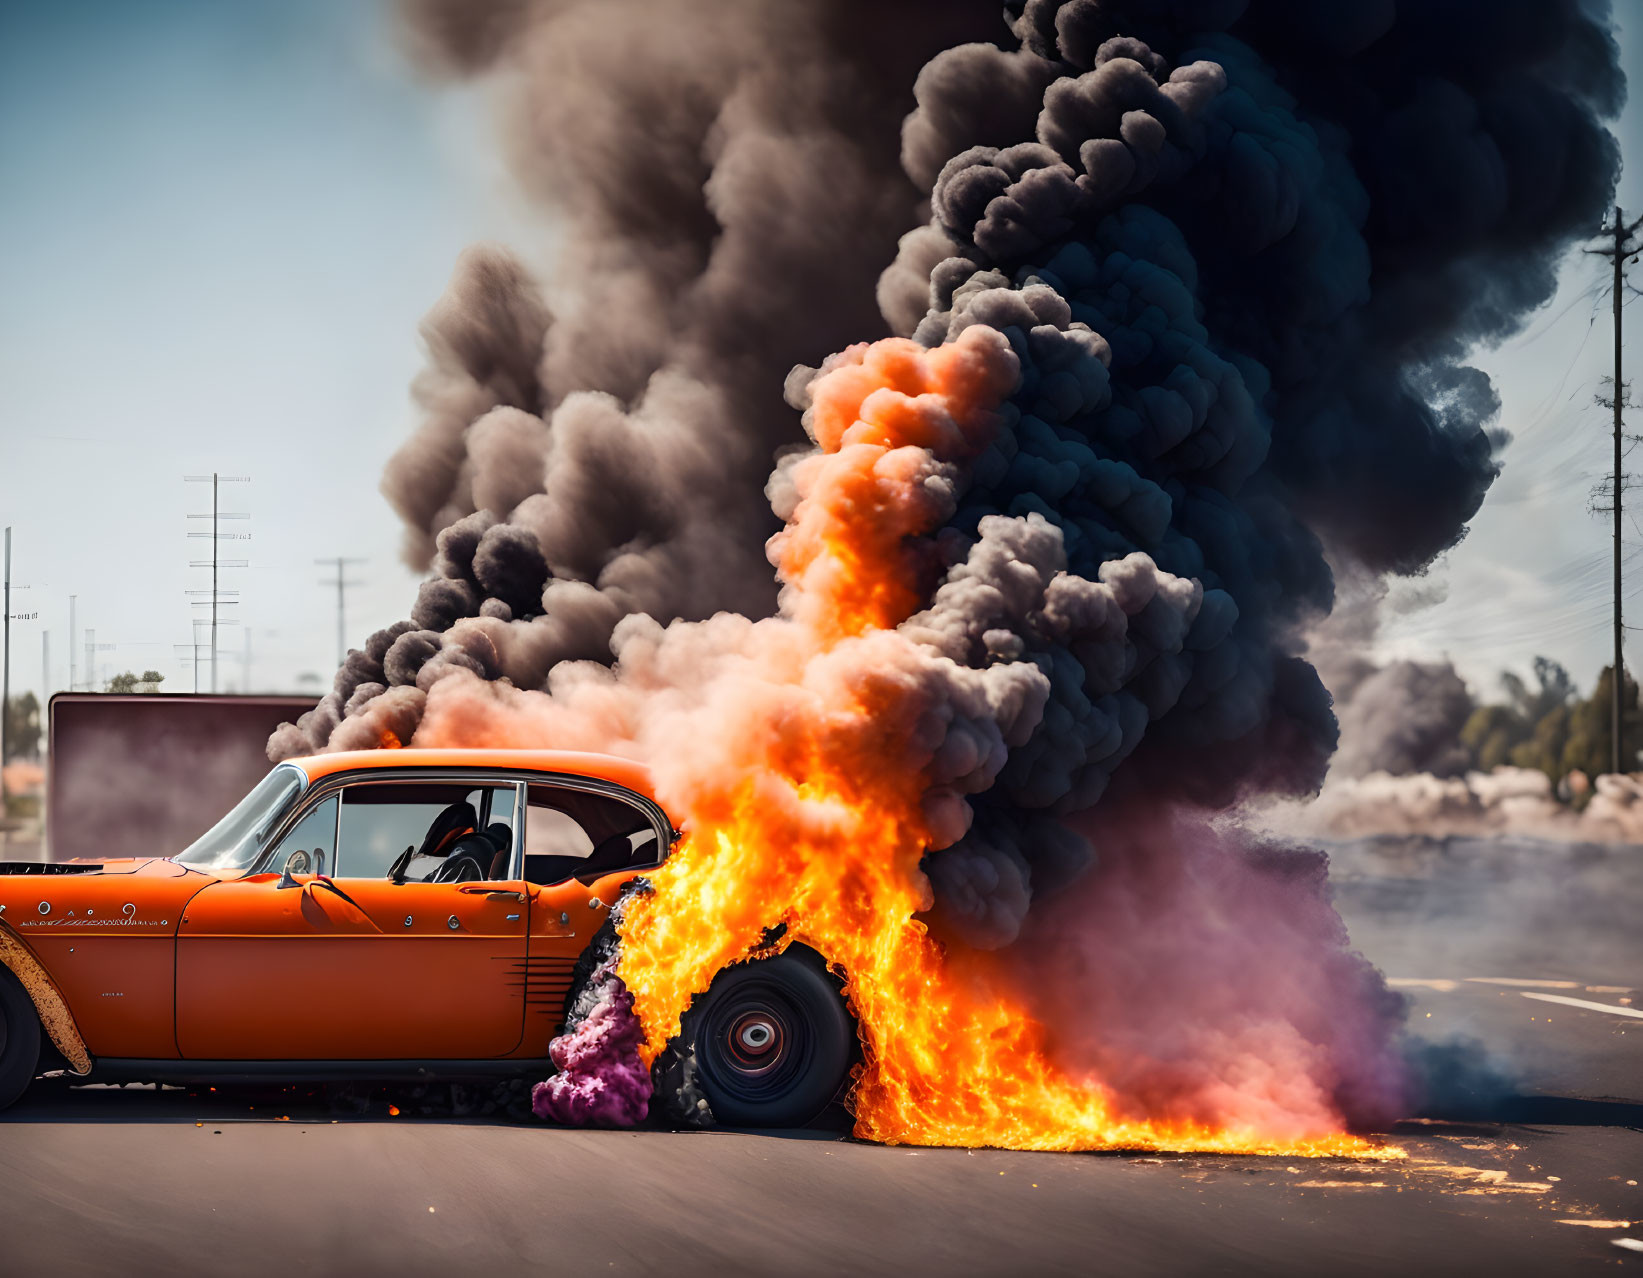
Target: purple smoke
(601,1081)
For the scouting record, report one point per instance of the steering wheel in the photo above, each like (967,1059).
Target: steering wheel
(462,868)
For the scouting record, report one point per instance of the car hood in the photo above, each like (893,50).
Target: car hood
(151,866)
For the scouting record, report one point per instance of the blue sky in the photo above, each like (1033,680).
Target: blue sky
(222,222)
(1534,575)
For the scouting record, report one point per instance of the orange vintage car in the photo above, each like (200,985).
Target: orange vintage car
(384,915)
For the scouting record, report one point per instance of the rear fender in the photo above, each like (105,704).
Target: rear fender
(49,1003)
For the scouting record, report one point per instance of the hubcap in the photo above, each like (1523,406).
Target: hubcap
(756,1042)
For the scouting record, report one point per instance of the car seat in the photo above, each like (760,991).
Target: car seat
(615,853)
(455,821)
(501,838)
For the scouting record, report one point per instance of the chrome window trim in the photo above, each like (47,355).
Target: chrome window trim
(315,792)
(319,797)
(298,805)
(665,833)
(517,864)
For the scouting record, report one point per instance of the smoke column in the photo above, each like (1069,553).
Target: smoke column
(1212,270)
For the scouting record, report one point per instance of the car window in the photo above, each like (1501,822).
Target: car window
(309,846)
(583,833)
(550,832)
(426,823)
(236,841)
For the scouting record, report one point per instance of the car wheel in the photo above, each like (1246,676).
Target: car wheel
(19,1039)
(771,1041)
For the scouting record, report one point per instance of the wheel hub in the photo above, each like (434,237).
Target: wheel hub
(756,1041)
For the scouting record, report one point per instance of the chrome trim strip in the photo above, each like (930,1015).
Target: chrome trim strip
(130,1069)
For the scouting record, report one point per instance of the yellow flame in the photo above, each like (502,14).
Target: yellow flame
(824,827)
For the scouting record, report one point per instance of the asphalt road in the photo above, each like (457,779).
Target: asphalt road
(1541,1180)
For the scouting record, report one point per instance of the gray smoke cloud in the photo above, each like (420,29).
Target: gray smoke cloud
(1405,717)
(1240,251)
(1402,716)
(726,180)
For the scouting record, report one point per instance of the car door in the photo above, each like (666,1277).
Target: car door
(359,966)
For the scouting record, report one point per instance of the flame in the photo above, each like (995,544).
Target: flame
(823,821)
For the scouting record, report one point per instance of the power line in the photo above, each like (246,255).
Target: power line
(341,582)
(217,537)
(1623,246)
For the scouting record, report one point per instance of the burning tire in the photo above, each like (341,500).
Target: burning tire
(19,1039)
(771,1042)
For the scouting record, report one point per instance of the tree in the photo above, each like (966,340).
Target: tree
(1587,745)
(1531,729)
(23,727)
(1490,734)
(1546,744)
(127,683)
(1554,690)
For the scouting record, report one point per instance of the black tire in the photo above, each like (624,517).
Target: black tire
(19,1039)
(771,1041)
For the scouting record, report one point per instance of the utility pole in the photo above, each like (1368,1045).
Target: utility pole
(73,683)
(5,689)
(1619,680)
(1622,245)
(341,562)
(5,672)
(92,649)
(215,563)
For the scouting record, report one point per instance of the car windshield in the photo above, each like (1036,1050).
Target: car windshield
(235,842)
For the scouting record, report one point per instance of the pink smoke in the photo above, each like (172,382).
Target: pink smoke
(601,1081)
(1201,973)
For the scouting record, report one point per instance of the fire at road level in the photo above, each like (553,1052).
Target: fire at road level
(1539,1185)
(1181,339)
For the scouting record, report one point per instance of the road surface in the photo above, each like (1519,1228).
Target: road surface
(1480,936)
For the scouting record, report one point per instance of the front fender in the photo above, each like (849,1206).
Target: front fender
(48,999)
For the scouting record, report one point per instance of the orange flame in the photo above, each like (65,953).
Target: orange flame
(821,822)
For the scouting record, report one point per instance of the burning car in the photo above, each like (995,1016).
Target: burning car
(384,915)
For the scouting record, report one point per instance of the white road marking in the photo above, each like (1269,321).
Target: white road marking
(1586,1003)
(1534,985)
(1420,983)
(1630,1244)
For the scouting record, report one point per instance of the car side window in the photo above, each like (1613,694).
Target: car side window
(428,832)
(309,847)
(570,832)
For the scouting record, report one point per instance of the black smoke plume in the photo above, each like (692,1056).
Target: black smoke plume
(1241,251)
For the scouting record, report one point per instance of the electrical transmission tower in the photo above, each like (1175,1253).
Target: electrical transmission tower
(341,582)
(1621,243)
(215,597)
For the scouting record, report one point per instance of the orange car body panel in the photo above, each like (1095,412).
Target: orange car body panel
(158,961)
(109,940)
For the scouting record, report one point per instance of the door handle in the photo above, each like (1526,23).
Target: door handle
(471,889)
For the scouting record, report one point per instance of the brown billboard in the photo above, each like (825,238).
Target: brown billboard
(145,775)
